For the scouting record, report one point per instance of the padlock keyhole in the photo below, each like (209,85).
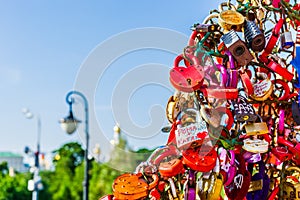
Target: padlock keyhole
(239,51)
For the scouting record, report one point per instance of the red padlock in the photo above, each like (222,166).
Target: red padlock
(294,149)
(202,158)
(272,41)
(186,79)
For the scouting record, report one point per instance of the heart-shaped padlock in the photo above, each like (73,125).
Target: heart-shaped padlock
(186,79)
(192,129)
(202,158)
(238,189)
(263,87)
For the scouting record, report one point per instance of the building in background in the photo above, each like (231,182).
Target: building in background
(14,161)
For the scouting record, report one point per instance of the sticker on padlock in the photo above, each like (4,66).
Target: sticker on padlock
(202,158)
(132,186)
(191,130)
(186,79)
(237,47)
(243,111)
(263,87)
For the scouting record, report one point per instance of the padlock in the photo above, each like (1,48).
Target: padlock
(277,68)
(192,129)
(132,186)
(260,182)
(291,188)
(205,27)
(254,37)
(209,184)
(230,19)
(286,40)
(263,87)
(190,186)
(256,145)
(227,165)
(271,42)
(211,116)
(257,128)
(238,189)
(281,153)
(170,168)
(202,158)
(243,111)
(237,48)
(186,79)
(294,149)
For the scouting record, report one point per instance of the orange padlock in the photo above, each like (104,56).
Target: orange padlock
(133,186)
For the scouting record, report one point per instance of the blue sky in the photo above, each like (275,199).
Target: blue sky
(43,45)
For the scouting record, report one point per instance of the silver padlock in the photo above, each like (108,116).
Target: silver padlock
(254,37)
(286,40)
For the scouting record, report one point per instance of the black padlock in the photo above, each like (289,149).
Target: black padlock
(254,37)
(243,111)
(237,48)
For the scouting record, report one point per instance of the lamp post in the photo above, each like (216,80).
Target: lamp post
(69,124)
(36,177)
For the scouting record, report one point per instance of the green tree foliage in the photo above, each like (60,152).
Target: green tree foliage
(13,187)
(66,181)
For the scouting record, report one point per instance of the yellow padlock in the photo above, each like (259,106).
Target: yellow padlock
(258,128)
(292,190)
(230,19)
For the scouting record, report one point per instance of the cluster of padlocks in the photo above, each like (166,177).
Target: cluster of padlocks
(235,113)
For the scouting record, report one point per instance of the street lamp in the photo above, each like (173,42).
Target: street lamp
(69,125)
(36,178)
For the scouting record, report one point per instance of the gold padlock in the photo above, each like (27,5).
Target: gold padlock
(292,190)
(258,128)
(230,19)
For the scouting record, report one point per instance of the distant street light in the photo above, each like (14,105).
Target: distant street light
(69,124)
(35,184)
